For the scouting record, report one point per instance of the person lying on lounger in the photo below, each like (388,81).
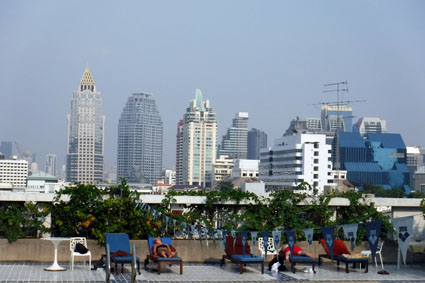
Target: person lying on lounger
(160,249)
(284,253)
(297,252)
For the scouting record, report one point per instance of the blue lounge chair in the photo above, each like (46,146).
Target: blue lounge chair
(162,260)
(237,255)
(337,255)
(119,248)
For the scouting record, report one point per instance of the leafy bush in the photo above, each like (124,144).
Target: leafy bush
(19,220)
(91,212)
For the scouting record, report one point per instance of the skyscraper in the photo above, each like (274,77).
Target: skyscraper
(85,149)
(50,164)
(140,140)
(179,153)
(256,140)
(337,117)
(235,141)
(199,142)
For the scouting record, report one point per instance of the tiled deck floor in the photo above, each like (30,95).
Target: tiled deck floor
(34,272)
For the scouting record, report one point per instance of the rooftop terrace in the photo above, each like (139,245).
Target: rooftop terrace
(34,272)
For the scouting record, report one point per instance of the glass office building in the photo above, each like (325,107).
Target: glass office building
(378,159)
(256,140)
(140,133)
(235,141)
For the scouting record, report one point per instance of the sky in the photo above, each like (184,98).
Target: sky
(268,58)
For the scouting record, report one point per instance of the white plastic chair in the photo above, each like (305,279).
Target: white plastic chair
(271,250)
(72,243)
(378,252)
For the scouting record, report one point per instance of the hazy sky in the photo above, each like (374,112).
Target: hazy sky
(268,58)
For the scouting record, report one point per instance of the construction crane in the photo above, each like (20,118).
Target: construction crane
(19,150)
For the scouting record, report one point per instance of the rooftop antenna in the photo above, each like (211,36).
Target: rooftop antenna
(339,88)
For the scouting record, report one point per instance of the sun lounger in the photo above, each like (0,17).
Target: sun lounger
(162,260)
(236,254)
(303,260)
(119,248)
(342,254)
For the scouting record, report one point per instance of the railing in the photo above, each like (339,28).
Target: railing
(133,265)
(108,265)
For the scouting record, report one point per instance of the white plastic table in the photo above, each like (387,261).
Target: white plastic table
(55,241)
(412,243)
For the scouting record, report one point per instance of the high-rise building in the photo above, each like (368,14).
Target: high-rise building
(179,153)
(50,165)
(140,140)
(199,142)
(376,159)
(86,124)
(370,125)
(6,149)
(296,159)
(256,140)
(304,126)
(336,117)
(235,141)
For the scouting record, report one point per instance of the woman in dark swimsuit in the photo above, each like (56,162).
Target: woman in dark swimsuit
(162,250)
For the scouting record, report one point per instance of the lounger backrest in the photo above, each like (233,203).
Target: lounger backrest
(339,247)
(237,248)
(118,242)
(164,240)
(229,245)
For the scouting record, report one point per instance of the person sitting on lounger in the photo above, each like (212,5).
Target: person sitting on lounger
(284,253)
(297,252)
(160,249)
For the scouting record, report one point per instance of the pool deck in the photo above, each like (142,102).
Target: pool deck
(34,272)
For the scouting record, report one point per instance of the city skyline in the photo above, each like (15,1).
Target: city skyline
(260,58)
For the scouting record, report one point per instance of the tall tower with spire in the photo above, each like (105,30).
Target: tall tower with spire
(85,148)
(196,143)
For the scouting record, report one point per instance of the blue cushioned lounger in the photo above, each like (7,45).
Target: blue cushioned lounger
(162,260)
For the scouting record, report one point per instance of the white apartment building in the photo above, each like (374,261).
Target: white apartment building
(14,172)
(222,168)
(296,159)
(245,168)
